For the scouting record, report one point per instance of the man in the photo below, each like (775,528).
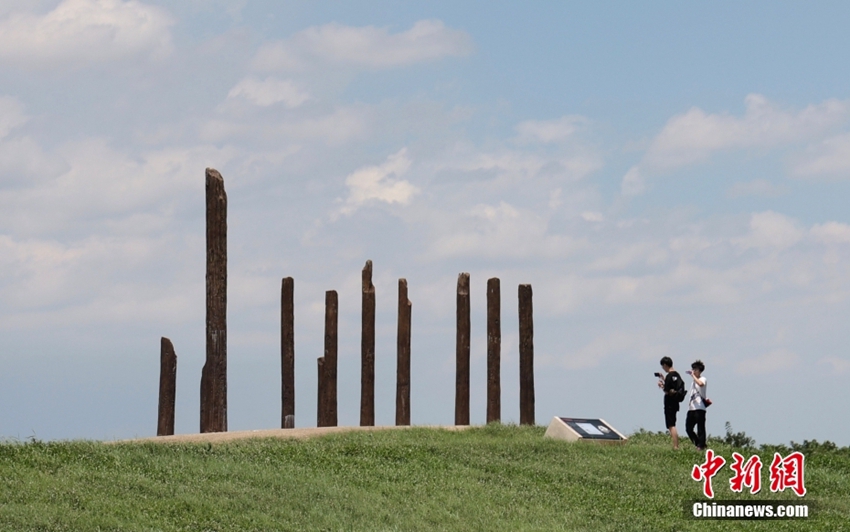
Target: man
(670,384)
(696,406)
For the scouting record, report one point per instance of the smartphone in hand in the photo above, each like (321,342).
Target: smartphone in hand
(657,375)
(689,372)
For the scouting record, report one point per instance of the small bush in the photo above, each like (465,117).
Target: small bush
(738,439)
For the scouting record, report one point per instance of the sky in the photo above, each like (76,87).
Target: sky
(671,178)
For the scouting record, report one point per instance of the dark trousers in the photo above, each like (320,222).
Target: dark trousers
(696,417)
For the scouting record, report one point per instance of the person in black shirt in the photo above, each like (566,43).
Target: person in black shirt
(669,384)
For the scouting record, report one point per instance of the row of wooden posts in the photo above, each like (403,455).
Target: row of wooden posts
(213,416)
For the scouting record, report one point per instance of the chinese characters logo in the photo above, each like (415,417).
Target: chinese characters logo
(785,473)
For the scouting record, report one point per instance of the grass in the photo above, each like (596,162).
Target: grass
(489,478)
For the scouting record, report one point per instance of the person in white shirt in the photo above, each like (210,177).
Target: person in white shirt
(696,406)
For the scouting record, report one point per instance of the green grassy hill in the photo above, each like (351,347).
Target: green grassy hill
(489,478)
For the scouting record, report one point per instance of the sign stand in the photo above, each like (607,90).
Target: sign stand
(584,429)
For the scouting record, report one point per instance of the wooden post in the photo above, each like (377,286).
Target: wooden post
(367,349)
(331,313)
(320,395)
(494,351)
(214,372)
(402,396)
(287,352)
(462,351)
(526,356)
(167,387)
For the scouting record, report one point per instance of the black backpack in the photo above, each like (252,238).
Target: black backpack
(681,392)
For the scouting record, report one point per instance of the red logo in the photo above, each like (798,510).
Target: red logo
(706,471)
(785,473)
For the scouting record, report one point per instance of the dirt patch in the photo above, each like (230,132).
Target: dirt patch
(217,437)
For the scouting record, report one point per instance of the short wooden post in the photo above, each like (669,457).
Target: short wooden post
(214,372)
(320,393)
(462,351)
(367,349)
(287,352)
(402,397)
(526,356)
(331,317)
(167,387)
(494,351)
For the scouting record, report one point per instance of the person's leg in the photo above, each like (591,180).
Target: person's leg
(690,421)
(675,434)
(700,420)
(670,423)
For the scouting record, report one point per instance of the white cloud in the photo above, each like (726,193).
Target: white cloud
(836,364)
(625,255)
(831,158)
(771,230)
(364,47)
(611,344)
(694,136)
(23,162)
(269,92)
(592,216)
(771,362)
(339,126)
(756,187)
(79,31)
(11,115)
(518,166)
(380,183)
(502,231)
(633,182)
(548,131)
(831,233)
(95,280)
(102,183)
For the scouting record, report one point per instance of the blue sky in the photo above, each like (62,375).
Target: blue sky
(671,178)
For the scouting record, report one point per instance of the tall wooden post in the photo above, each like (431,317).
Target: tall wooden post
(367,349)
(167,387)
(214,372)
(321,410)
(287,352)
(462,351)
(402,396)
(494,351)
(526,356)
(331,314)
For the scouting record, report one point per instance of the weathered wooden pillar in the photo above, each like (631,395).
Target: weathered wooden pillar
(214,372)
(526,356)
(331,317)
(367,349)
(287,352)
(167,387)
(462,351)
(321,414)
(494,351)
(402,395)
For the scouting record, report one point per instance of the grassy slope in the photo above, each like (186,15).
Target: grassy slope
(492,478)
